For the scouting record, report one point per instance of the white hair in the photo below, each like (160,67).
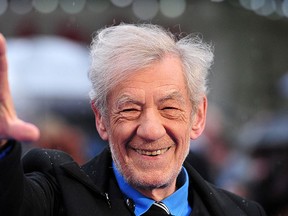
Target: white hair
(118,51)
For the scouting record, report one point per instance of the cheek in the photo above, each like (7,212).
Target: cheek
(119,136)
(181,131)
(184,144)
(123,131)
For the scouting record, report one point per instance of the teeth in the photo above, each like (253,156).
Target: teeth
(153,153)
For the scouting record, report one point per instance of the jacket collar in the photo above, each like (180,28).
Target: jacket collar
(94,174)
(100,170)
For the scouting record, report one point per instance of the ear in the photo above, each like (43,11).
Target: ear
(199,119)
(100,123)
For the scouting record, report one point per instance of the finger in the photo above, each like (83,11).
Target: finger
(3,61)
(2,44)
(23,131)
(15,128)
(5,96)
(3,64)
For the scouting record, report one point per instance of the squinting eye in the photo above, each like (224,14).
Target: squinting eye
(130,113)
(171,112)
(130,110)
(169,108)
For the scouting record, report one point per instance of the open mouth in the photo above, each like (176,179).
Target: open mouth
(153,152)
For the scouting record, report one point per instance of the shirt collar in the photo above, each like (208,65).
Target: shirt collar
(176,202)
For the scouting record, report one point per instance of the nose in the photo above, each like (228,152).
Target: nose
(151,127)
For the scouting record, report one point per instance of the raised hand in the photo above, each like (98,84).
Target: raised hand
(11,127)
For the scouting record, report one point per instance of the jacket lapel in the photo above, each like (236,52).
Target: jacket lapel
(94,174)
(74,170)
(98,176)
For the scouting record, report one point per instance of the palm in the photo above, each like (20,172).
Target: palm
(10,125)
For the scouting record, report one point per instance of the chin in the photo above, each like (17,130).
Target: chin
(150,182)
(149,185)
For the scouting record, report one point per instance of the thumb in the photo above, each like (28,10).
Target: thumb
(23,131)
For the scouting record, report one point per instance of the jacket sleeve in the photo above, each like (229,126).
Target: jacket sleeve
(32,193)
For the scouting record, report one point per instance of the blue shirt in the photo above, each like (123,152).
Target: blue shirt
(177,202)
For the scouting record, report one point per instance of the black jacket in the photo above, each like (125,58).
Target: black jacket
(53,184)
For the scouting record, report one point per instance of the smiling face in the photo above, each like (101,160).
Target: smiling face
(150,125)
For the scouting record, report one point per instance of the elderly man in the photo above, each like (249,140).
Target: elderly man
(149,99)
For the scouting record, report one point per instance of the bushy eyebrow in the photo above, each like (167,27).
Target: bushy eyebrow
(175,95)
(126,99)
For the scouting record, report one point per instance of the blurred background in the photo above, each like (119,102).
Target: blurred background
(244,148)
